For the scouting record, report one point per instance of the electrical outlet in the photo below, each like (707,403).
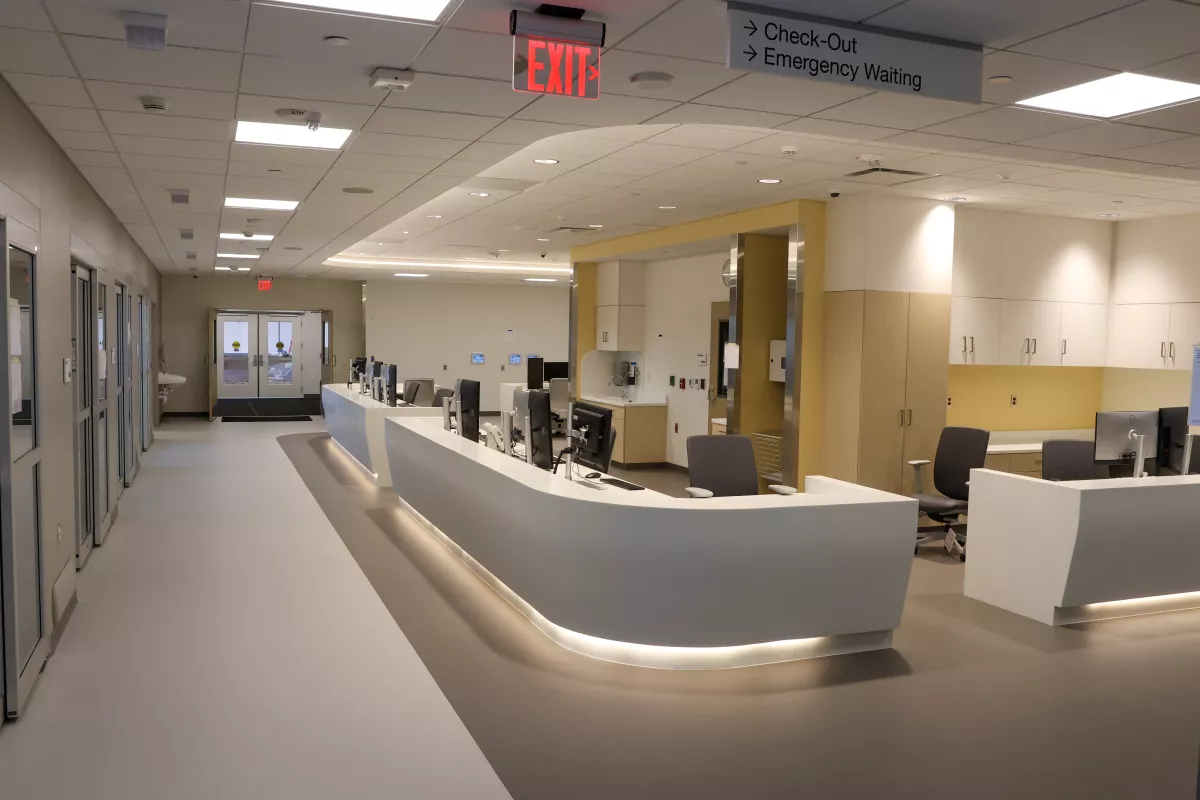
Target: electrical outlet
(672,380)
(949,402)
(444,367)
(677,427)
(1012,400)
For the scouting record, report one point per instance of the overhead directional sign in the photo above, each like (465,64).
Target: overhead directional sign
(549,66)
(1194,408)
(781,43)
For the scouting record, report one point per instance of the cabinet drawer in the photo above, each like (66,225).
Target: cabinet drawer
(1026,462)
(716,429)
(998,463)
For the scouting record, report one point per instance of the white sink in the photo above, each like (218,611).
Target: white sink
(168,382)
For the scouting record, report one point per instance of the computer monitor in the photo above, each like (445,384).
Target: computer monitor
(591,429)
(555,369)
(539,430)
(467,393)
(535,377)
(1172,439)
(389,384)
(1113,445)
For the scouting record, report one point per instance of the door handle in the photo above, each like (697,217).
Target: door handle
(334,356)
(972,345)
(1026,347)
(910,416)
(1172,351)
(1162,350)
(1064,347)
(964,345)
(1035,347)
(901,425)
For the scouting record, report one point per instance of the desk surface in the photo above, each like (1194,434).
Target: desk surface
(621,402)
(1008,442)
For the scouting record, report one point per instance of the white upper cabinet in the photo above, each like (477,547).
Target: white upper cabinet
(1184,335)
(1156,261)
(621,283)
(974,330)
(1014,344)
(1045,334)
(1138,336)
(1084,335)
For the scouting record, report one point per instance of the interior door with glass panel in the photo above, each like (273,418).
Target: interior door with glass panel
(102,417)
(146,368)
(83,327)
(237,355)
(279,363)
(120,390)
(125,359)
(25,645)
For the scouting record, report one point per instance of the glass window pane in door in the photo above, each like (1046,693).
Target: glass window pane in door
(22,375)
(101,342)
(234,353)
(279,354)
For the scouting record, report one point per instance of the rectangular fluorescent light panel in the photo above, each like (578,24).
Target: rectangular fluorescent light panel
(291,135)
(258,237)
(235,255)
(420,10)
(1115,96)
(269,205)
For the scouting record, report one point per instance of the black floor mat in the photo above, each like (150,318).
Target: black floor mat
(274,418)
(309,405)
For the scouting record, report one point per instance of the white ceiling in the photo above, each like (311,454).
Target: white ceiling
(698,144)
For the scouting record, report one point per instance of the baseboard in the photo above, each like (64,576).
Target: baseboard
(185,414)
(61,626)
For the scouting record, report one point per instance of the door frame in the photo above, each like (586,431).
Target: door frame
(104,285)
(294,389)
(83,370)
(252,348)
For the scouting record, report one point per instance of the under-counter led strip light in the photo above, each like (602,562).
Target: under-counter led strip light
(473,267)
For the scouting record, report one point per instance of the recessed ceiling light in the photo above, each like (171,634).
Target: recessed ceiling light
(450,265)
(423,10)
(545,161)
(956,199)
(243,269)
(768,180)
(235,255)
(291,135)
(501,251)
(254,237)
(336,41)
(480,194)
(667,208)
(999,80)
(1108,215)
(433,216)
(543,240)
(223,269)
(273,205)
(411,275)
(595,226)
(540,280)
(357,190)
(1115,96)
(293,247)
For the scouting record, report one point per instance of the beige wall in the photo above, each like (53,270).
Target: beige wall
(48,205)
(186,301)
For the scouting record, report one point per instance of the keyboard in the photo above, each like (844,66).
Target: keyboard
(621,484)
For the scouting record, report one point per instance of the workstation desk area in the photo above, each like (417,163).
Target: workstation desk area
(642,578)
(355,421)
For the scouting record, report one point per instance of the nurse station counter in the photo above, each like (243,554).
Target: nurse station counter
(641,578)
(355,422)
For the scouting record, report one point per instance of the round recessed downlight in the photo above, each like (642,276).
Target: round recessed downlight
(479,194)
(999,80)
(336,41)
(358,190)
(545,161)
(768,180)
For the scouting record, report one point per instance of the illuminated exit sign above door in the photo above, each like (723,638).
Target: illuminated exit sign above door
(548,66)
(264,284)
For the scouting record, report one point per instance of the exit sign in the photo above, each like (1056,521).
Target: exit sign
(549,66)
(264,284)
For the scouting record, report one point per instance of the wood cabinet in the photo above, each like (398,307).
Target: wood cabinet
(620,306)
(716,428)
(641,433)
(975,330)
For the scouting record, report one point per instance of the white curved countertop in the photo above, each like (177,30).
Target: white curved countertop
(648,579)
(355,421)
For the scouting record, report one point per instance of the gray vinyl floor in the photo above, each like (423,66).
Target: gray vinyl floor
(227,647)
(973,702)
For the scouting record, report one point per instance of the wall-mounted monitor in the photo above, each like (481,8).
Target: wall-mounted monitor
(514,359)
(476,358)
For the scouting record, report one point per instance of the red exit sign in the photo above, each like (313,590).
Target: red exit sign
(549,66)
(264,284)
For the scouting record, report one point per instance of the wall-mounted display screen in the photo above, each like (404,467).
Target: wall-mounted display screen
(476,358)
(514,358)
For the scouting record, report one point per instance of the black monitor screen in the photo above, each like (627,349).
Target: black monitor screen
(555,369)
(468,420)
(539,429)
(591,427)
(535,377)
(1172,439)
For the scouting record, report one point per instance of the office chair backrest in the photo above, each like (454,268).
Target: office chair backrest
(440,395)
(722,464)
(410,391)
(959,451)
(1065,460)
(560,396)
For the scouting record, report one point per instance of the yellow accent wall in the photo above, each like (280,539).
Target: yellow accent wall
(762,316)
(1048,398)
(584,278)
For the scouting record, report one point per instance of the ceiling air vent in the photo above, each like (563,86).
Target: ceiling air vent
(145,31)
(179,196)
(187,234)
(190,255)
(573,229)
(877,173)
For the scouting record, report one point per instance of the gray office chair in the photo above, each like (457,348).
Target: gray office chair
(1066,460)
(723,466)
(440,395)
(959,451)
(419,392)
(560,401)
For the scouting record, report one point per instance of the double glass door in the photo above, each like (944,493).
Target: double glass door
(258,355)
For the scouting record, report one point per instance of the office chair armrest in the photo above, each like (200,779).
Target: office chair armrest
(779,488)
(918,487)
(698,493)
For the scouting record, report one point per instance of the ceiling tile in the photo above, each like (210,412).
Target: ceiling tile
(617,166)
(780,94)
(211,130)
(199,185)
(180,102)
(82,140)
(692,29)
(1105,137)
(405,164)
(389,144)
(945,164)
(268,76)
(1010,172)
(1184,117)
(185,148)
(690,78)
(708,137)
(460,168)
(1165,30)
(1016,152)
(996,24)
(432,92)
(64,118)
(520,131)
(387,184)
(1007,125)
(469,54)
(438,124)
(665,153)
(1186,68)
(849,131)
(894,110)
(932,141)
(608,109)
(301,156)
(1032,76)
(1176,151)
(33,52)
(255,108)
(132,216)
(773,145)
(373,41)
(487,151)
(1176,173)
(107,179)
(620,16)
(697,114)
(272,188)
(214,26)
(204,166)
(1123,165)
(49,90)
(630,133)
(1017,190)
(94,158)
(111,60)
(258,169)
(160,200)
(26,14)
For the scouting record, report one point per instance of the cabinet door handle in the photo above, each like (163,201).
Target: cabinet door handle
(1026,347)
(1162,350)
(1064,347)
(910,416)
(964,345)
(1035,347)
(1172,351)
(901,425)
(972,345)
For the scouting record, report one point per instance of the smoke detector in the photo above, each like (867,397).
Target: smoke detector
(651,80)
(788,149)
(152,104)
(396,80)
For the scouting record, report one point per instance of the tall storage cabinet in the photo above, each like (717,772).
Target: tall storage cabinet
(620,306)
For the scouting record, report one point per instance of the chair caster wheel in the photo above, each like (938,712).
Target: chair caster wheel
(963,558)
(917,550)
